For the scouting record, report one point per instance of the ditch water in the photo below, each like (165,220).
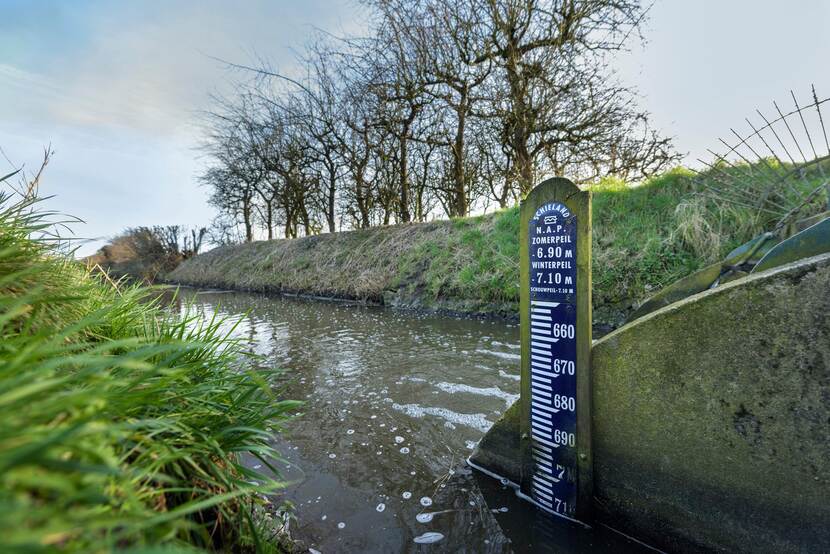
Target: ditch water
(395,403)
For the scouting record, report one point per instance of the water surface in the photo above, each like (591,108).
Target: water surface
(395,403)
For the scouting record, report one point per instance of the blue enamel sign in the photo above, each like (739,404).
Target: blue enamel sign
(553,357)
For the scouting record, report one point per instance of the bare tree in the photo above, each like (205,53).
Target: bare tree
(445,105)
(558,99)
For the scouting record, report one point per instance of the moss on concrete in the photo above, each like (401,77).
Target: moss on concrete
(711,418)
(499,450)
(812,241)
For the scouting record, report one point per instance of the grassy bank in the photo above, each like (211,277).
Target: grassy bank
(644,238)
(122,424)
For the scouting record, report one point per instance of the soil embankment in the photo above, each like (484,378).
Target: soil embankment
(644,238)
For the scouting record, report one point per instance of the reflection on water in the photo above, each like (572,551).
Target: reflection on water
(395,402)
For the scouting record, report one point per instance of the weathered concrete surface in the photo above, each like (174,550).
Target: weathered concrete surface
(813,241)
(499,450)
(711,418)
(682,288)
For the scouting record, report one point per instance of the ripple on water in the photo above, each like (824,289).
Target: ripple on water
(476,421)
(512,346)
(503,355)
(333,363)
(496,392)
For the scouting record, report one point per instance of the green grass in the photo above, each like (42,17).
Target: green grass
(644,237)
(122,423)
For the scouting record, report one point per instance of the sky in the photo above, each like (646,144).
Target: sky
(117,88)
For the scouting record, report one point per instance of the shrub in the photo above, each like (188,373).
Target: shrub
(122,423)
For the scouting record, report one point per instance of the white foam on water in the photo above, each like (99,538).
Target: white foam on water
(426,501)
(425,517)
(332,455)
(324,517)
(404,450)
(380,507)
(406,495)
(476,421)
(509,345)
(506,375)
(470,444)
(503,355)
(341,525)
(429,537)
(350,431)
(496,392)
(399,440)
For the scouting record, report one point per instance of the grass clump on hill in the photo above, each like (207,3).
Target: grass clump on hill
(122,423)
(644,237)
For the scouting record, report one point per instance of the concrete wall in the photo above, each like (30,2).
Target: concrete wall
(711,418)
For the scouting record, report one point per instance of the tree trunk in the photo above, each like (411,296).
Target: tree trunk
(269,218)
(362,204)
(460,193)
(330,211)
(246,216)
(249,228)
(505,191)
(289,224)
(520,133)
(403,210)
